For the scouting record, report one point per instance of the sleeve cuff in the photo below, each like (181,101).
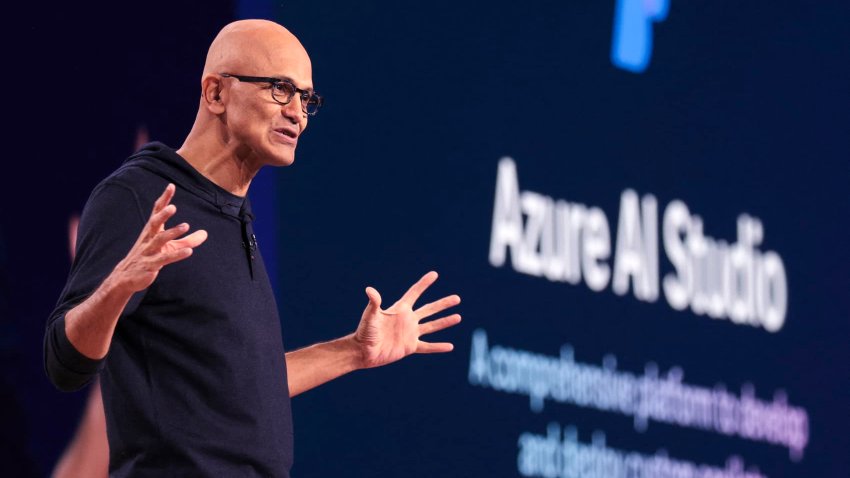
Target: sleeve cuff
(68,356)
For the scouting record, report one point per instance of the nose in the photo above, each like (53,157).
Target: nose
(292,110)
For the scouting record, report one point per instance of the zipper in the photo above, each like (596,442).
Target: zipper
(249,243)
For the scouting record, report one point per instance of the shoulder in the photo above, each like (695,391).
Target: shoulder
(120,198)
(131,189)
(139,180)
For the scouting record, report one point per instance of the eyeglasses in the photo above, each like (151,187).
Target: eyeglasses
(284,90)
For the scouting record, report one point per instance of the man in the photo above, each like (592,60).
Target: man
(184,325)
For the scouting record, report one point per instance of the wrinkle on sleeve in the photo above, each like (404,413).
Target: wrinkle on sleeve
(110,224)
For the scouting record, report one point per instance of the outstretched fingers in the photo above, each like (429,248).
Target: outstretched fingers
(182,248)
(434,348)
(157,220)
(175,255)
(167,235)
(164,198)
(416,290)
(162,211)
(439,324)
(437,306)
(191,241)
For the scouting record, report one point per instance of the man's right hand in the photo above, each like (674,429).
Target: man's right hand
(156,247)
(89,326)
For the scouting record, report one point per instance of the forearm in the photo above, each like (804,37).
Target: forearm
(312,366)
(89,326)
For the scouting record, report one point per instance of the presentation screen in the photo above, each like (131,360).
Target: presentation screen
(641,204)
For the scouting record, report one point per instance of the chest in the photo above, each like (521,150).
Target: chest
(224,279)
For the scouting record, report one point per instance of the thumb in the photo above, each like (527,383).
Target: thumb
(374,300)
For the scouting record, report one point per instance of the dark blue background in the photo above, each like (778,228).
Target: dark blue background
(744,108)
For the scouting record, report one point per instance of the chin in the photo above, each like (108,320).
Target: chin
(280,158)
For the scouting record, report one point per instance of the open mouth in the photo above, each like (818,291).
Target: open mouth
(286,135)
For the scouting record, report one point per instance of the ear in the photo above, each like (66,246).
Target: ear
(212,94)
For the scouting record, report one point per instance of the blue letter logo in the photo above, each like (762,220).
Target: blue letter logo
(631,47)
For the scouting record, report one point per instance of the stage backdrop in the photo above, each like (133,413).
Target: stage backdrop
(642,203)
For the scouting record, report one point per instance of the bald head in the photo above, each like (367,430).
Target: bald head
(242,122)
(256,48)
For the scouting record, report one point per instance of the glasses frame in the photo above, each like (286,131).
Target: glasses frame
(304,95)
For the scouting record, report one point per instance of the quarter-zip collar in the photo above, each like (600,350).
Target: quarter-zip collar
(164,161)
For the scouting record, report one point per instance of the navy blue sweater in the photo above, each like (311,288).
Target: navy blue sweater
(194,383)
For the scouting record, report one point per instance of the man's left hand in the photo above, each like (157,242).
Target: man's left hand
(385,336)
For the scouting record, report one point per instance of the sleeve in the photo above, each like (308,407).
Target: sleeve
(110,224)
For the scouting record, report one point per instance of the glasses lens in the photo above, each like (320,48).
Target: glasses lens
(311,106)
(283,91)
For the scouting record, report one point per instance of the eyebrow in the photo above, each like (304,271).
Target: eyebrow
(286,78)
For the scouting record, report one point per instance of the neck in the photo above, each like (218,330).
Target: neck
(219,161)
